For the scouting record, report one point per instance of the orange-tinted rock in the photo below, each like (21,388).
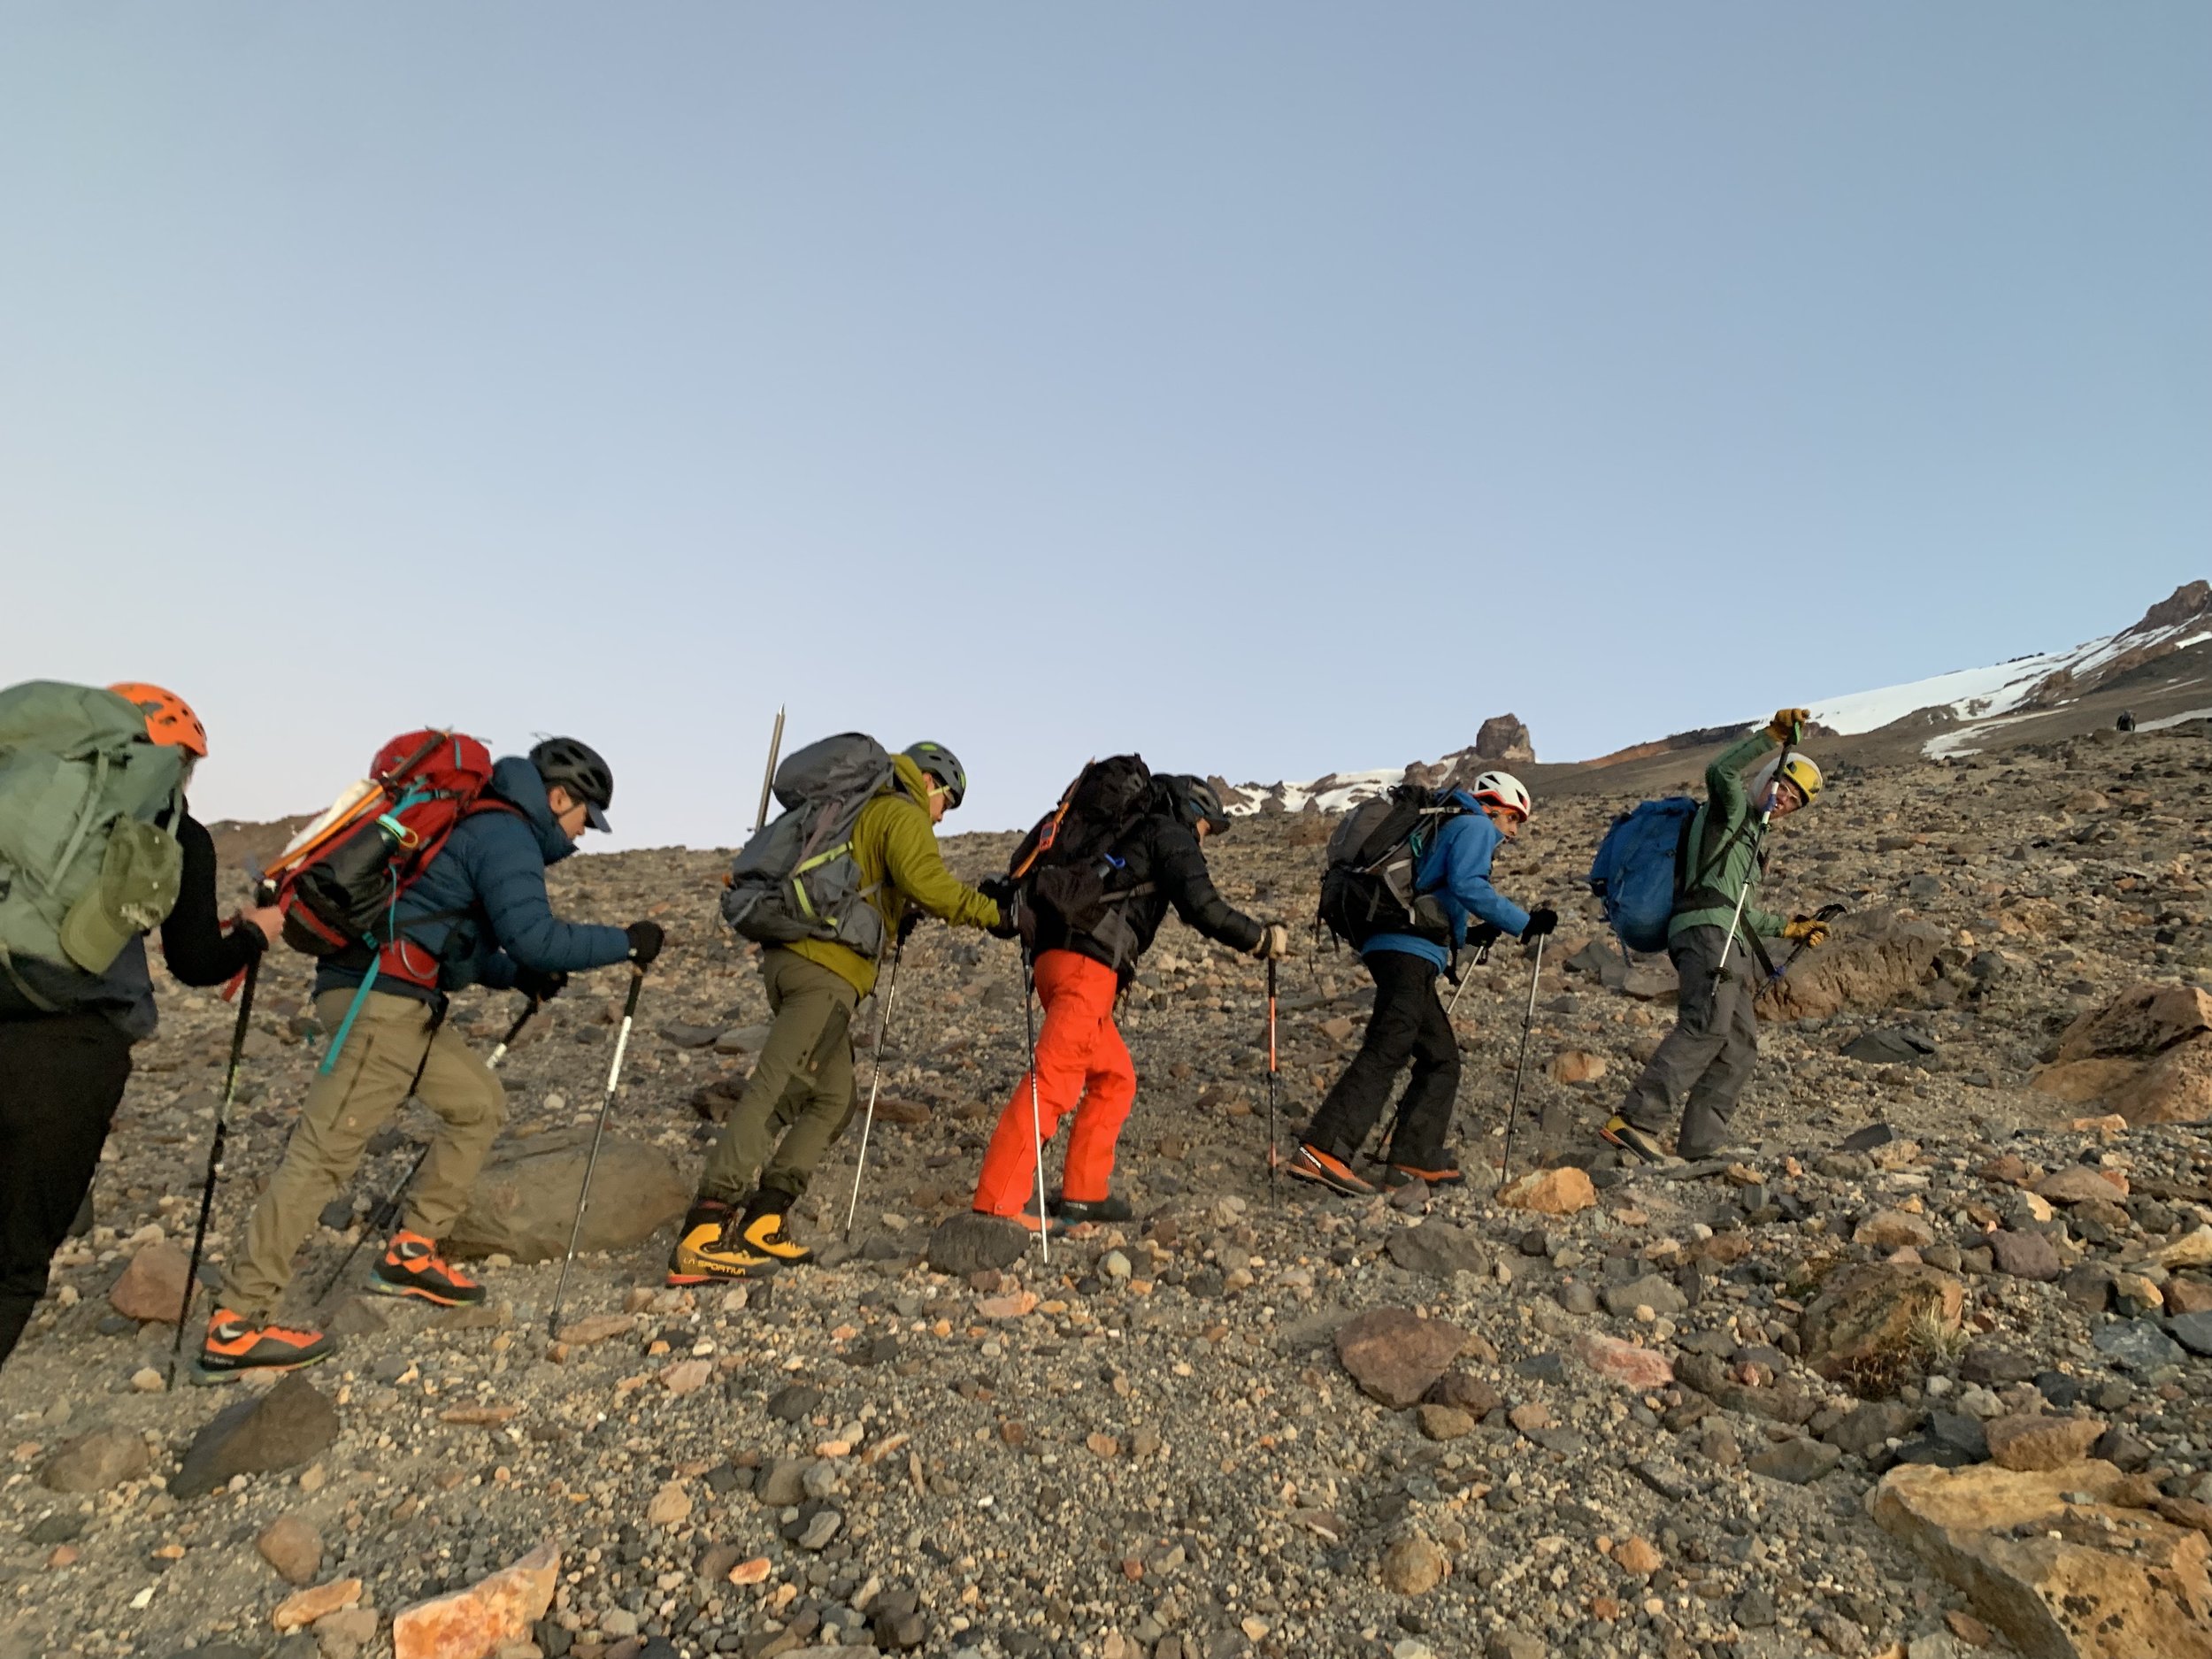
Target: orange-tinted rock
(1578,1066)
(1639,1368)
(1559,1191)
(2033,1442)
(1395,1355)
(152,1286)
(297,1612)
(2093,1579)
(489,1615)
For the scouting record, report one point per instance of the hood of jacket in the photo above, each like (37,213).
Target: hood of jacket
(516,781)
(911,778)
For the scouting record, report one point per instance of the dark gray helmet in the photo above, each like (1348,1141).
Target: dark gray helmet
(1196,801)
(577,768)
(942,764)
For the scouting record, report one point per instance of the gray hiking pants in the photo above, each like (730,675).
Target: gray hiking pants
(1711,1051)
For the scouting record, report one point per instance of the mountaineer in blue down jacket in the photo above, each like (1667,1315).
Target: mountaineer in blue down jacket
(1409,1021)
(478,915)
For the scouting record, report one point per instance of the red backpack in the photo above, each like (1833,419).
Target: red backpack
(340,881)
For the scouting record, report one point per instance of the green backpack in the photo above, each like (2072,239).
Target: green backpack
(87,860)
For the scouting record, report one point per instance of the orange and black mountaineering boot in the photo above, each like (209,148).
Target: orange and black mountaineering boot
(1399,1174)
(711,1246)
(1309,1163)
(412,1266)
(236,1345)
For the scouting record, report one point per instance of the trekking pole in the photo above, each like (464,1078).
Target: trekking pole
(875,1080)
(1520,1067)
(214,1159)
(1274,1190)
(1766,817)
(767,783)
(606,1105)
(1036,1112)
(388,1212)
(1482,959)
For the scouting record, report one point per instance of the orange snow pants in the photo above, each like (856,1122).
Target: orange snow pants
(1082,1066)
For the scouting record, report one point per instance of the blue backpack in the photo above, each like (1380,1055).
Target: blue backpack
(1638,870)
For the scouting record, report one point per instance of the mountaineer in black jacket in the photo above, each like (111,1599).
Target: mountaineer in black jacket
(1081,1063)
(66,1056)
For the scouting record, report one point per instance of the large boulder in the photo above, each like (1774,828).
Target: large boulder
(525,1199)
(1504,739)
(2146,1053)
(1861,1326)
(282,1429)
(2056,1558)
(1874,961)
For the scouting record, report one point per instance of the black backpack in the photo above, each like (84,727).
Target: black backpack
(1368,886)
(1066,869)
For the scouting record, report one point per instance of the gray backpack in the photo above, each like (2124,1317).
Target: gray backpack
(87,860)
(797,879)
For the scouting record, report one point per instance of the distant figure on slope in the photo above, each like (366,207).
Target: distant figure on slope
(67,1030)
(1087,919)
(1709,1054)
(1451,885)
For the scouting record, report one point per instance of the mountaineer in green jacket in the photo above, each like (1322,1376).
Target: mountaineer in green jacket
(1709,1054)
(800,1097)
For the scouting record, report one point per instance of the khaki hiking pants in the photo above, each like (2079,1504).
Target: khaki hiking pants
(364,1091)
(800,1097)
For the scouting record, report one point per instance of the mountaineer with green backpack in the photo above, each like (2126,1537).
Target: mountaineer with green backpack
(824,889)
(1713,933)
(97,849)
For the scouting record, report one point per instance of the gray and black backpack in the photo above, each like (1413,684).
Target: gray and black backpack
(797,879)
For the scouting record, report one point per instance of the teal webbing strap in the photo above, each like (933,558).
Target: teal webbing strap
(338,1037)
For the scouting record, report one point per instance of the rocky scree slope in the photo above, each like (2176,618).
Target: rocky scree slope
(1921,1372)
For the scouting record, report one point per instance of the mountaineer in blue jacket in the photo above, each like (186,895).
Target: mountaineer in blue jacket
(1409,1022)
(478,915)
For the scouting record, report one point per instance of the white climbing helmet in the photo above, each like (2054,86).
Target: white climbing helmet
(1502,788)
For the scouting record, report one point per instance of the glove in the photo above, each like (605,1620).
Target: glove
(646,938)
(1543,921)
(1483,935)
(539,987)
(998,890)
(1806,929)
(1274,943)
(1009,924)
(910,918)
(1782,727)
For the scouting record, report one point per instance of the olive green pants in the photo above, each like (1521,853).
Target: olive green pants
(374,1075)
(800,1096)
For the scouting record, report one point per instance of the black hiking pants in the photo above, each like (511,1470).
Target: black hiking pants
(61,1078)
(1409,1023)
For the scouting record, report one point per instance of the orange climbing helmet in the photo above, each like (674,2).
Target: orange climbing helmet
(169,718)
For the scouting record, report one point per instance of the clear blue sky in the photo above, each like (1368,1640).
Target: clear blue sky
(1271,388)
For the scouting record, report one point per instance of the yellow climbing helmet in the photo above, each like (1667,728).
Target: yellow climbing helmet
(1801,769)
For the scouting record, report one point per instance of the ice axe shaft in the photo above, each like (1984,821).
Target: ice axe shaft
(606,1105)
(768,780)
(875,1081)
(215,1157)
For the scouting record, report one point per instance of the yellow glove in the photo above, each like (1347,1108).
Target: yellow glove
(1782,727)
(1806,929)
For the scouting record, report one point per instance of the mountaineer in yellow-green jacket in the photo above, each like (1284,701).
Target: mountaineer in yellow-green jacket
(800,1097)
